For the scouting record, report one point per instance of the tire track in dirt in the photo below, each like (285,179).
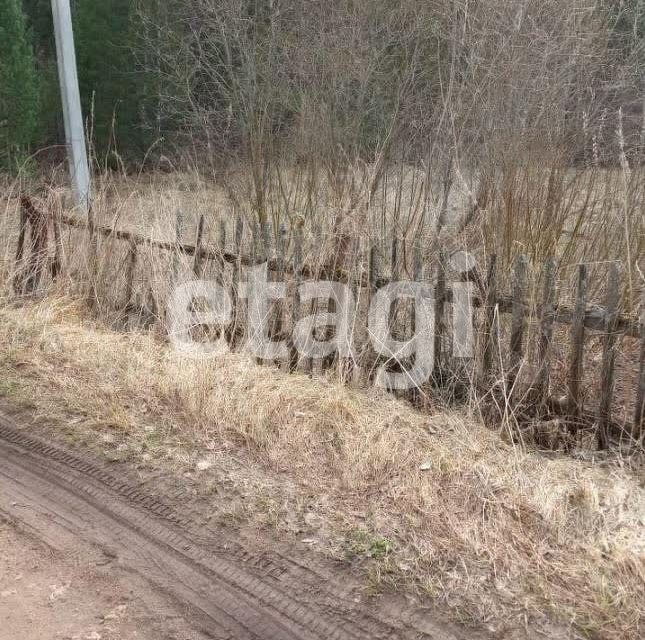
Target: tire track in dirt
(230,592)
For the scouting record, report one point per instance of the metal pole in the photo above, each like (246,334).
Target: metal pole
(68,77)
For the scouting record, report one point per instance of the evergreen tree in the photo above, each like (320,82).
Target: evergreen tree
(19,91)
(110,89)
(41,27)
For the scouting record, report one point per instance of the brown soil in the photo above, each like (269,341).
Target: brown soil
(103,558)
(73,592)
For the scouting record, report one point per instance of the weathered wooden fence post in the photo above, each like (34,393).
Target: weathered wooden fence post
(36,261)
(491,325)
(93,244)
(295,304)
(347,365)
(518,321)
(417,276)
(639,410)
(281,251)
(236,326)
(179,225)
(277,323)
(395,276)
(57,262)
(608,356)
(221,262)
(198,268)
(18,279)
(129,275)
(30,265)
(547,319)
(577,343)
(439,305)
(370,358)
(258,255)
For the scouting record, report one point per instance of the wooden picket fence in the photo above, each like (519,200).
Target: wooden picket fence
(535,396)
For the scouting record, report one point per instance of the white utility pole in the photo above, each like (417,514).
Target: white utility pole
(68,76)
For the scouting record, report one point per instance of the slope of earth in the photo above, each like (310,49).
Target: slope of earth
(411,512)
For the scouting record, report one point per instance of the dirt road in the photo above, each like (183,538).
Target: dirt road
(48,594)
(171,579)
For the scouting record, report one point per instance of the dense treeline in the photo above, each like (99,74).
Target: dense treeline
(113,87)
(243,76)
(19,84)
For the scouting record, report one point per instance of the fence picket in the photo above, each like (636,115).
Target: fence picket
(278,306)
(236,326)
(260,254)
(18,280)
(372,273)
(418,276)
(129,275)
(577,343)
(179,224)
(347,364)
(518,322)
(57,263)
(221,263)
(397,328)
(608,355)
(295,303)
(93,265)
(197,261)
(369,356)
(440,303)
(547,319)
(639,411)
(490,328)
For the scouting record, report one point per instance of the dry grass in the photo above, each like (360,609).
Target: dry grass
(515,540)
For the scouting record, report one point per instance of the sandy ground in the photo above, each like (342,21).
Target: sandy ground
(46,595)
(88,555)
